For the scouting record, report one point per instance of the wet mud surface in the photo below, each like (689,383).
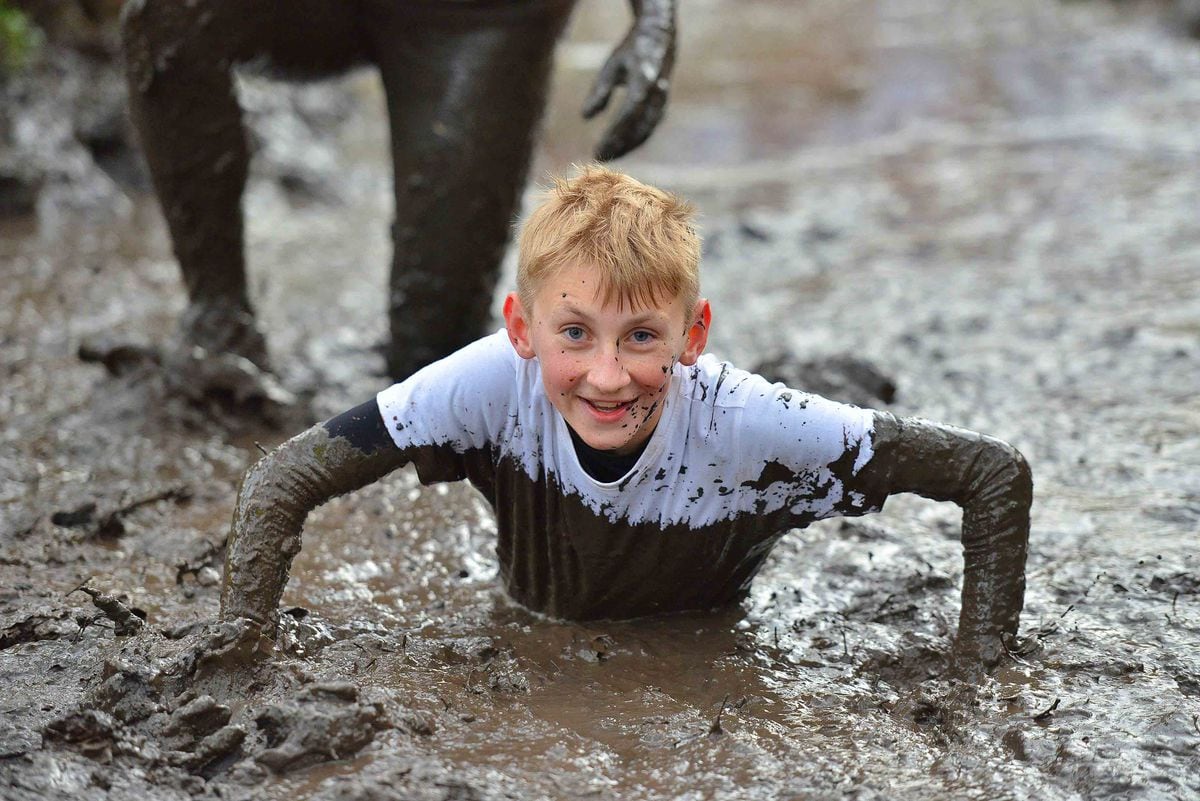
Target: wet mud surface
(992,205)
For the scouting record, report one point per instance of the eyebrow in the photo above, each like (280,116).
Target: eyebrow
(572,310)
(644,318)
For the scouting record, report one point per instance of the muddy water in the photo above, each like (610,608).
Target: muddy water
(996,203)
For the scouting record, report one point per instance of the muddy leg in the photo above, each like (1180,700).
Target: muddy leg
(465,89)
(179,60)
(1188,12)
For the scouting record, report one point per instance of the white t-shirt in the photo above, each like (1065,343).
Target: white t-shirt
(734,462)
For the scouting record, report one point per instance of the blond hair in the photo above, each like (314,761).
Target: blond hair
(638,238)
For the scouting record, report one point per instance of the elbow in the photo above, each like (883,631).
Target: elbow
(1011,468)
(1001,490)
(257,476)
(1025,472)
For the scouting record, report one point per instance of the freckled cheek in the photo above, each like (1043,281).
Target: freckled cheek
(562,376)
(651,378)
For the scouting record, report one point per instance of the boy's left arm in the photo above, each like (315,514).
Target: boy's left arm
(992,483)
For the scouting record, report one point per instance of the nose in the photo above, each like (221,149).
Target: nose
(607,373)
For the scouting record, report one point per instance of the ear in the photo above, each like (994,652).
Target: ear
(519,326)
(697,334)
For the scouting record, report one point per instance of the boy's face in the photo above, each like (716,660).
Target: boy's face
(605,368)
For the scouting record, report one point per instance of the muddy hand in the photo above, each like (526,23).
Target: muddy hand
(973,656)
(642,64)
(227,645)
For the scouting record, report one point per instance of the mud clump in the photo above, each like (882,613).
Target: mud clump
(92,732)
(323,722)
(845,378)
(136,717)
(45,623)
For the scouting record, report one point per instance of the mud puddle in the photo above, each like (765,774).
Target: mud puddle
(994,204)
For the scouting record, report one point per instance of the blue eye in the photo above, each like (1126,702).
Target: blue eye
(642,337)
(573,333)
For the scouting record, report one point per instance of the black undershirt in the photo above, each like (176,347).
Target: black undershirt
(362,427)
(604,466)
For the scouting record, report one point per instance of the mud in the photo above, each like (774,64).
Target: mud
(994,203)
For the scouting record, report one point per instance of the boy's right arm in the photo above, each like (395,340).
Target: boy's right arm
(330,459)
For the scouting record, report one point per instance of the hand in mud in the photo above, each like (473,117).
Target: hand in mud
(973,656)
(226,645)
(642,63)
(944,706)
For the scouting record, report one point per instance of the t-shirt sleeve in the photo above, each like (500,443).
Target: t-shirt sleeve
(817,453)
(452,407)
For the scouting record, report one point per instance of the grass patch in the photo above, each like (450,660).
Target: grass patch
(19,39)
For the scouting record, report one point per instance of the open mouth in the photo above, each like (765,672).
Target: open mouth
(610,407)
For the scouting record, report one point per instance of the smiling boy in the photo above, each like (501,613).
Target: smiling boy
(631,474)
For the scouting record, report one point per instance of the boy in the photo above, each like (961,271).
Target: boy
(631,475)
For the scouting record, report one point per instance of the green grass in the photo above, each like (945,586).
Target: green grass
(19,38)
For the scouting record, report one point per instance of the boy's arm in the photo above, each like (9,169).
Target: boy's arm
(330,459)
(992,483)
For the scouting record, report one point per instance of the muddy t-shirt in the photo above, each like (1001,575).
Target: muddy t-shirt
(734,462)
